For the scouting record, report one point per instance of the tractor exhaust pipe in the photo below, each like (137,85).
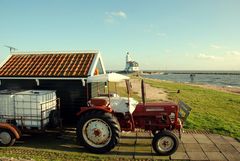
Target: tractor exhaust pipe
(143,92)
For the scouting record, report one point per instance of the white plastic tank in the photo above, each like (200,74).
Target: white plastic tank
(7,102)
(29,108)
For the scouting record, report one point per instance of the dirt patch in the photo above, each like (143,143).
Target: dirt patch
(152,93)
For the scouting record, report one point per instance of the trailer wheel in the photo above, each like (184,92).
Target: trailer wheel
(54,118)
(165,143)
(7,138)
(98,131)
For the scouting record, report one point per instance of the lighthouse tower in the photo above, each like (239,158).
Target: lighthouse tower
(131,66)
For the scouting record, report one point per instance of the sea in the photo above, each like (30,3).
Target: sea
(218,78)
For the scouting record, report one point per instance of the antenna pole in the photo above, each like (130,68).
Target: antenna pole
(10,48)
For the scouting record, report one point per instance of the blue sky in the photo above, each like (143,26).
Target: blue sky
(159,34)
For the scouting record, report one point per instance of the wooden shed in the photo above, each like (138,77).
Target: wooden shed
(65,72)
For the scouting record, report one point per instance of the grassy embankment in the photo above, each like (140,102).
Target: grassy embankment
(215,111)
(212,110)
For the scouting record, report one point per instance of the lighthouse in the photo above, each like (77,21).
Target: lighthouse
(131,66)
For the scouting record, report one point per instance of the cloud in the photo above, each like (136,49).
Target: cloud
(161,34)
(154,30)
(233,53)
(113,17)
(209,57)
(215,46)
(120,14)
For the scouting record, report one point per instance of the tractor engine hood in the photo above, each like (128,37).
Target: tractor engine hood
(154,108)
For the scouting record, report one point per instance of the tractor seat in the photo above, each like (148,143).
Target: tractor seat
(98,102)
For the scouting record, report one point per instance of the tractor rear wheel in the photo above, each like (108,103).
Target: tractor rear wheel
(165,143)
(7,138)
(98,131)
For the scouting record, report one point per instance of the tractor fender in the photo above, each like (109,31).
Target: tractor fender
(12,128)
(95,108)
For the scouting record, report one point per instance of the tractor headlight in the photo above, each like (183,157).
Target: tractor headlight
(172,117)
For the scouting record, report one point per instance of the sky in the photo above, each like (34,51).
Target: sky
(158,34)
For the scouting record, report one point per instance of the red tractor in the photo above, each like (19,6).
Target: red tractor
(106,116)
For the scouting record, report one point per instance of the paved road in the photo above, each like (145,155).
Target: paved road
(137,145)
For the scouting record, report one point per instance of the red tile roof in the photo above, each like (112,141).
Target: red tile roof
(47,65)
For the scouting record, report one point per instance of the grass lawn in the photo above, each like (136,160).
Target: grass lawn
(215,111)
(47,147)
(48,155)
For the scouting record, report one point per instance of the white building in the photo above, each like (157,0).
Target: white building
(131,66)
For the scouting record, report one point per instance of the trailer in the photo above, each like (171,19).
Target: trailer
(27,111)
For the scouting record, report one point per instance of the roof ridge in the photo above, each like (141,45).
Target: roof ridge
(55,52)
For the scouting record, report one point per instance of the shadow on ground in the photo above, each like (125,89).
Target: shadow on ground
(132,146)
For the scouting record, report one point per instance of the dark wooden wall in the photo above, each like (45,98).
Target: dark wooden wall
(15,84)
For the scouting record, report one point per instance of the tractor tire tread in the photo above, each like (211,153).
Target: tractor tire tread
(162,134)
(110,119)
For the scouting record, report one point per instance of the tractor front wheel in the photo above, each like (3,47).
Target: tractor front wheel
(98,131)
(165,143)
(6,138)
